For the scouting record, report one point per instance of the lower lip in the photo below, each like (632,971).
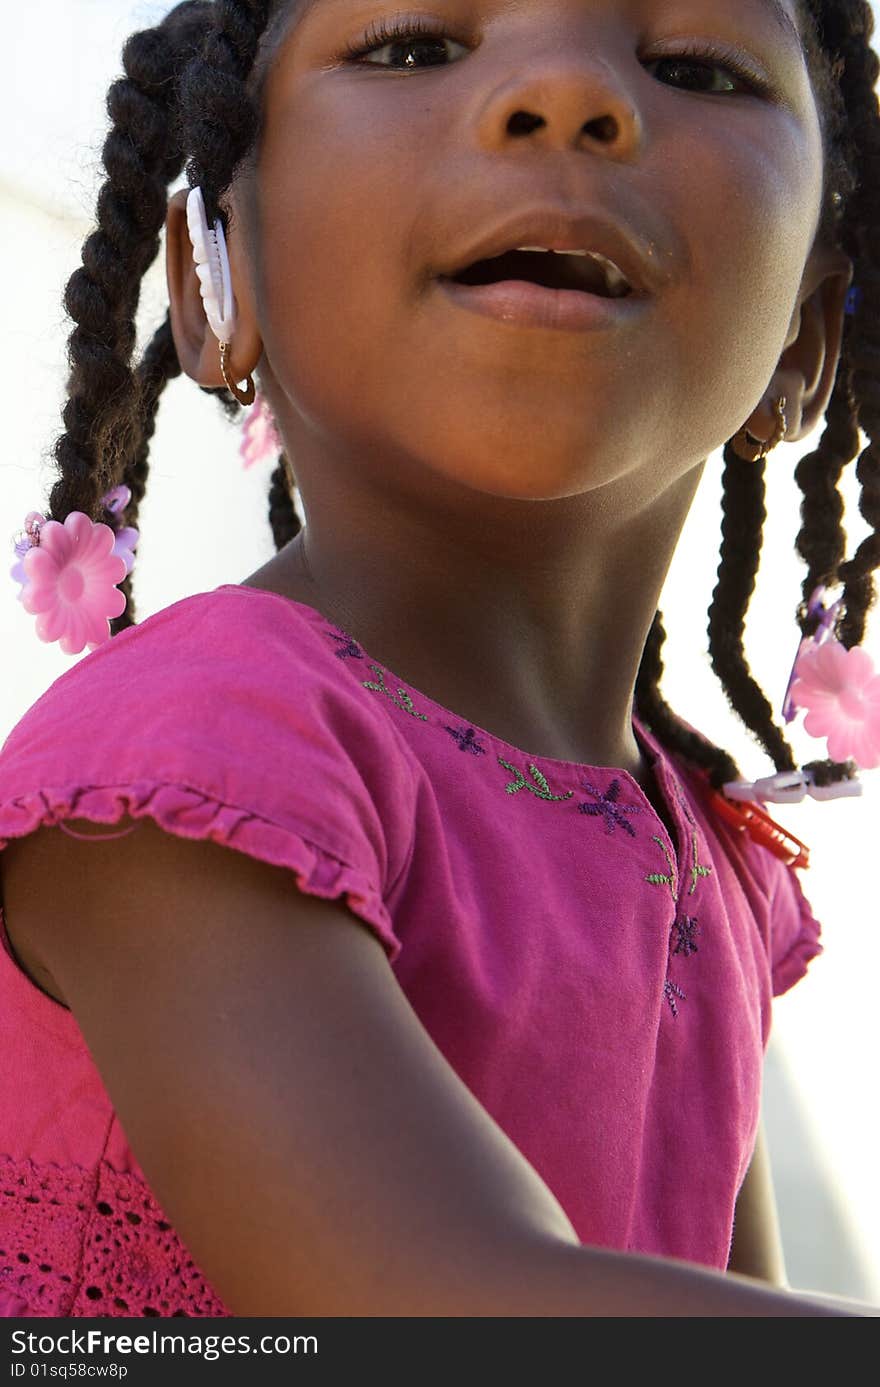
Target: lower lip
(517,302)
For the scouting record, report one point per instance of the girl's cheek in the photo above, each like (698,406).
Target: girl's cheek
(751,217)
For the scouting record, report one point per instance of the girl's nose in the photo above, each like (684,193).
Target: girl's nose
(563,100)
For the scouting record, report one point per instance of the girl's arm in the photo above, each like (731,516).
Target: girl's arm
(309,1142)
(757,1240)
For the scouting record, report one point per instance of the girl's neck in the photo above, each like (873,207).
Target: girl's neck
(487,705)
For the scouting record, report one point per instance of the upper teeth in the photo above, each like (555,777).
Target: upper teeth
(615,280)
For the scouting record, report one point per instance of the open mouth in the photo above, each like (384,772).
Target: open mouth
(578,272)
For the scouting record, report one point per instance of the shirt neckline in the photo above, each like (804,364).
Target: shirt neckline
(664,779)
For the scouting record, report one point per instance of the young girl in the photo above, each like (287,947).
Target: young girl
(378,942)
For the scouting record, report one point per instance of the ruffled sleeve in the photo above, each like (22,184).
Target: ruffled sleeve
(229,720)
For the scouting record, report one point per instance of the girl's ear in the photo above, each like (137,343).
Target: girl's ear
(197,348)
(807,369)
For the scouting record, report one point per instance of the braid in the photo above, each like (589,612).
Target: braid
(846,31)
(742,531)
(159,365)
(101,297)
(282,514)
(218,113)
(172,98)
(666,725)
(822,540)
(103,416)
(861,68)
(844,67)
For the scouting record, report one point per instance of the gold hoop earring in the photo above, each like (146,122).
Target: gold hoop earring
(758,448)
(249,393)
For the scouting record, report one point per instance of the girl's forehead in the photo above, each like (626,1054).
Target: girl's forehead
(783,12)
(286,16)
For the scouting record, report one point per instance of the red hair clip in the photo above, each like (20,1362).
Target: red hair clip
(750,818)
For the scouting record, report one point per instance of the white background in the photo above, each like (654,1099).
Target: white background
(820,1099)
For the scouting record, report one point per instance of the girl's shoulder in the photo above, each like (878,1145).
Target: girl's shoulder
(226,715)
(228,668)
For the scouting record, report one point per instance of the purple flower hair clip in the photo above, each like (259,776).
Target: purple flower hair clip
(839,690)
(127,536)
(853,301)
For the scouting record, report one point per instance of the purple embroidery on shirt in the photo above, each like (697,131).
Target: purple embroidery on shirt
(540,789)
(670,991)
(684,804)
(663,878)
(609,809)
(349,647)
(686,927)
(467,741)
(606,806)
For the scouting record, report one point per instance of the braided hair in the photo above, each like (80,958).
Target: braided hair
(191,96)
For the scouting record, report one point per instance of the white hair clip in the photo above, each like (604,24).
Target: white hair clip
(840,789)
(790,787)
(212,267)
(215,283)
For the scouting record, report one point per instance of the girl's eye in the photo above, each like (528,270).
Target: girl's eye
(410,36)
(708,61)
(421,37)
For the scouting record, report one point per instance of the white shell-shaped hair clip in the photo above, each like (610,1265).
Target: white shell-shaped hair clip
(790,787)
(212,267)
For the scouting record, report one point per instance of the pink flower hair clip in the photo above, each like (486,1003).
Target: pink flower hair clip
(840,691)
(69,573)
(259,436)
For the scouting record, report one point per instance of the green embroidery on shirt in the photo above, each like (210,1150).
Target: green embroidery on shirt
(696,870)
(402,701)
(540,789)
(661,878)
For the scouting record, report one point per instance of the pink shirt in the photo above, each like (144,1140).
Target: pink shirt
(603,991)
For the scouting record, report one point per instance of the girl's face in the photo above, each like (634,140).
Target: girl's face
(377,173)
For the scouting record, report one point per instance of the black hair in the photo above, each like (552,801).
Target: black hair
(190,97)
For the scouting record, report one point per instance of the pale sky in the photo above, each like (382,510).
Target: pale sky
(62,56)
